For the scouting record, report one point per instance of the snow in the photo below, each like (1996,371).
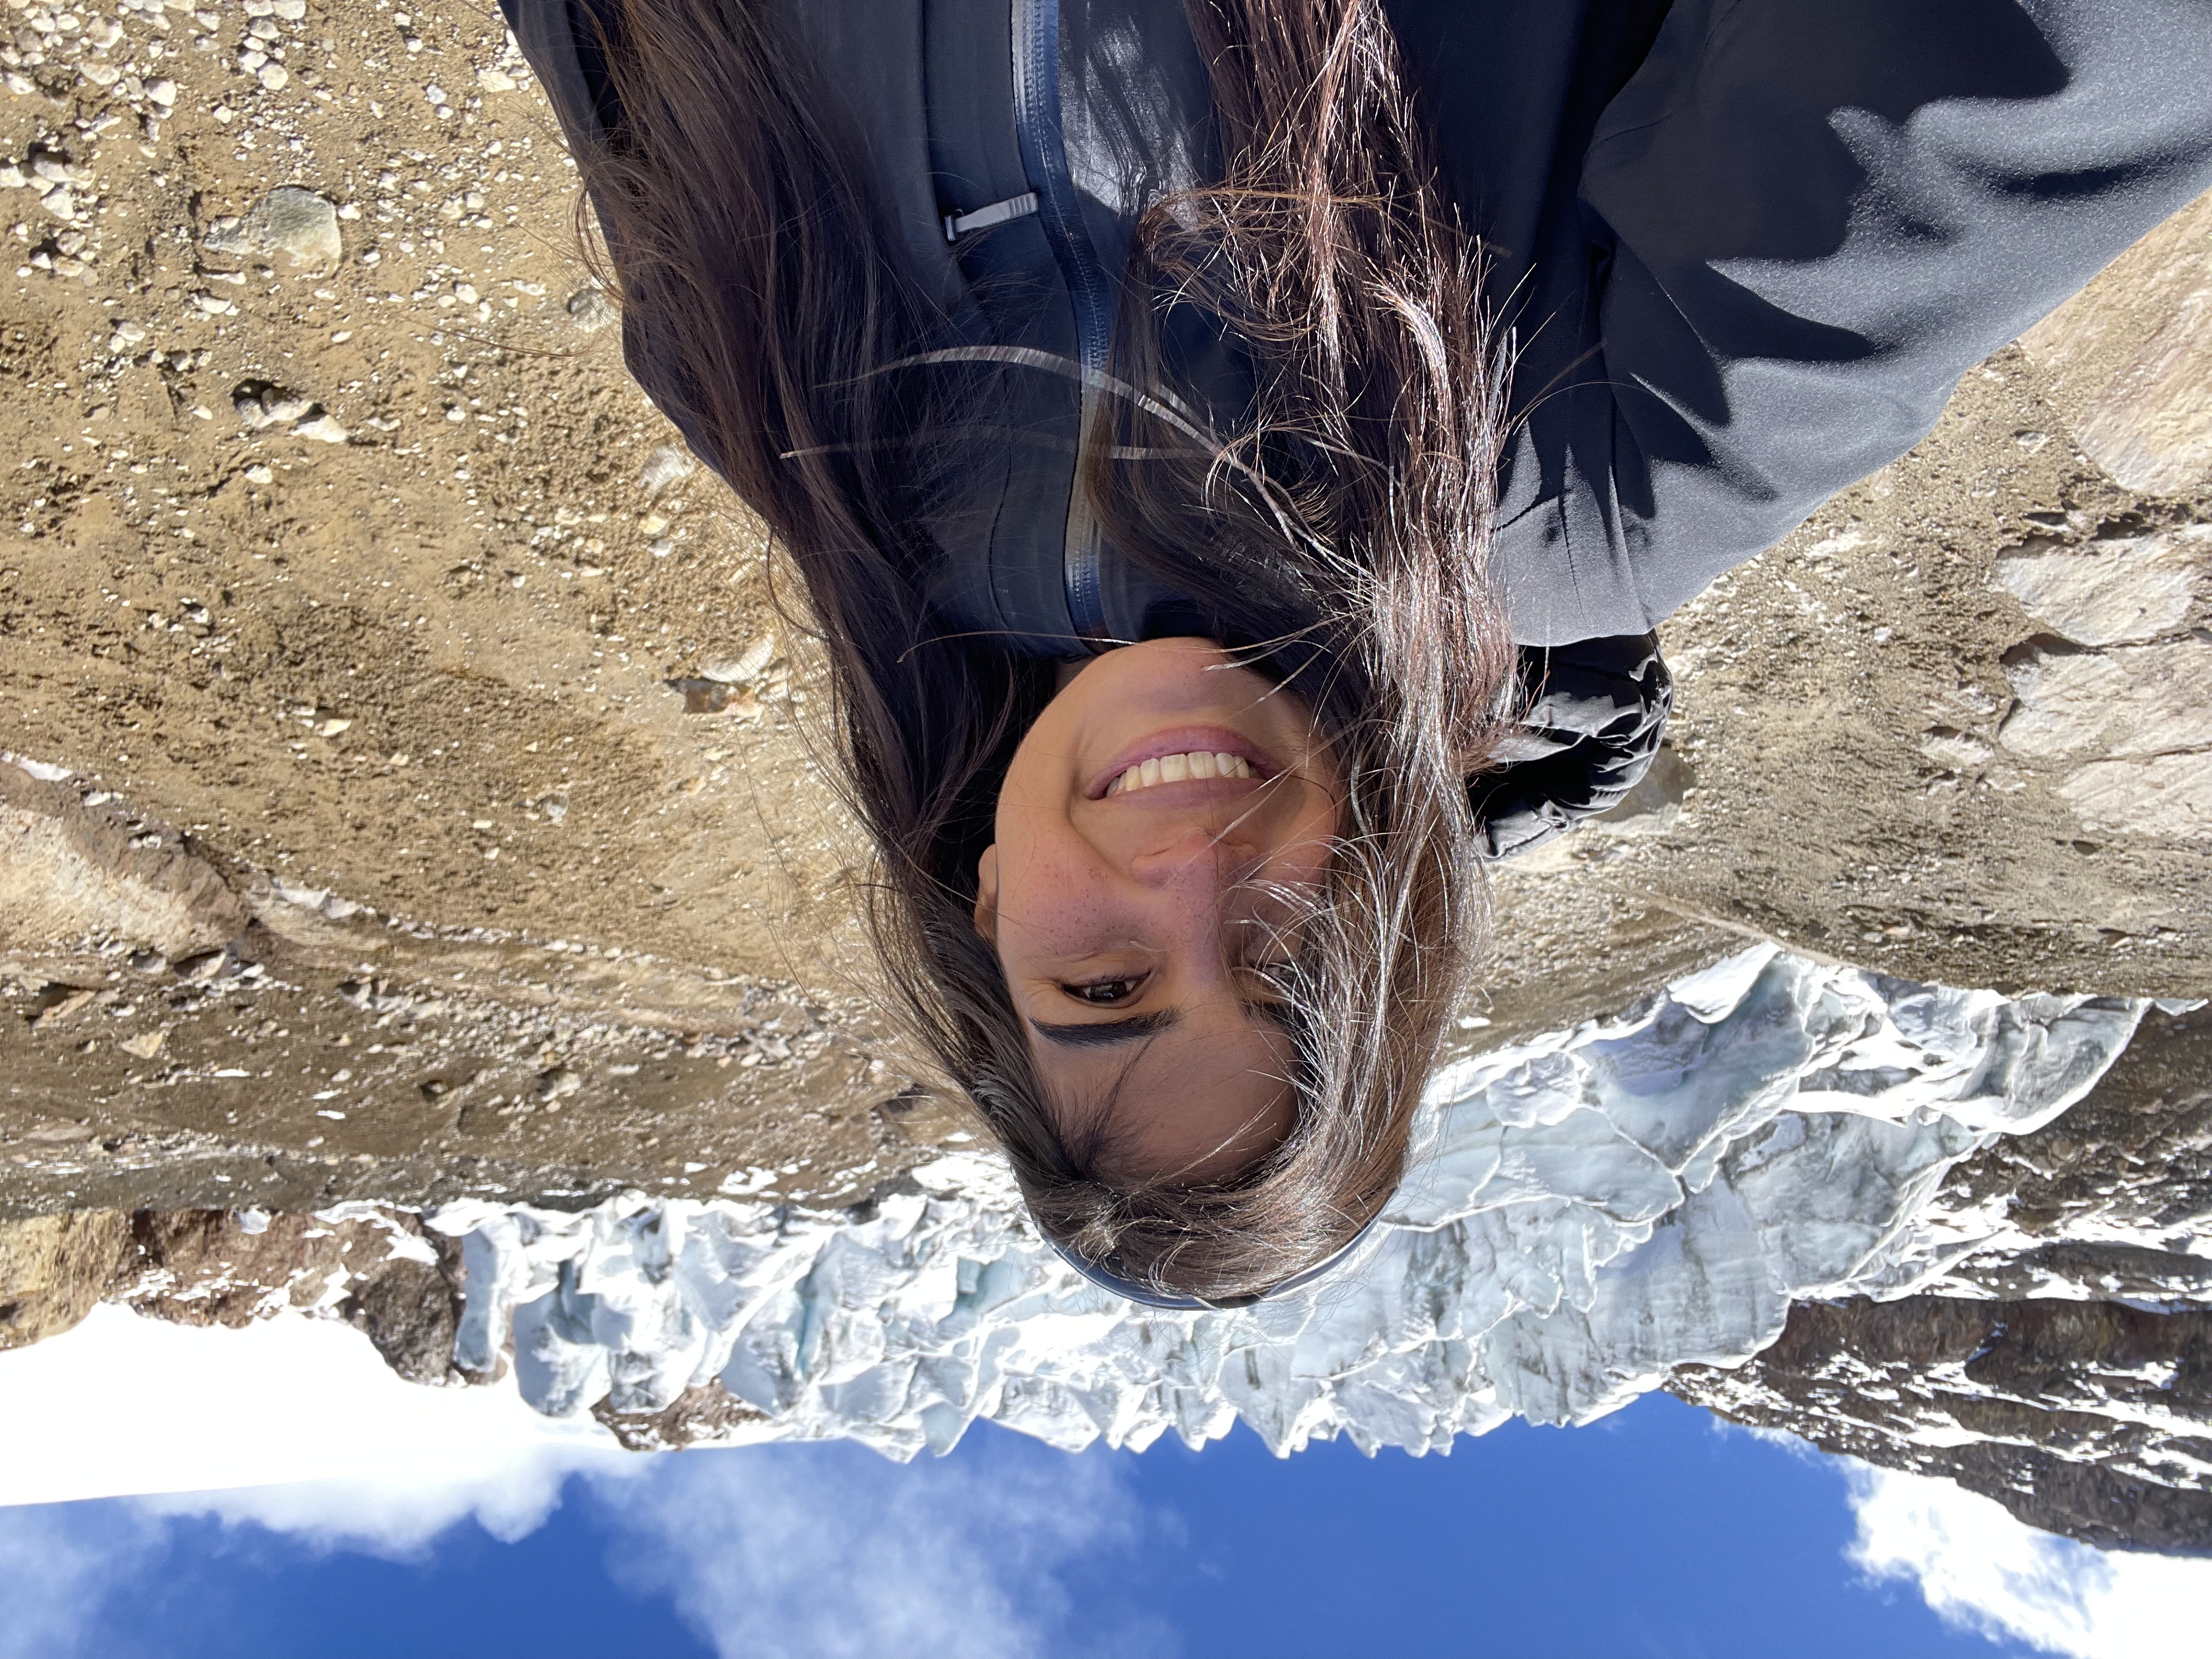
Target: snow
(1590,1210)
(283,1400)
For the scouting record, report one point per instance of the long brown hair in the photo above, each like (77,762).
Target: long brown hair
(1341,533)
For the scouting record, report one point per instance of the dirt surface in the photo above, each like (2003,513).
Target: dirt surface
(347,589)
(413,790)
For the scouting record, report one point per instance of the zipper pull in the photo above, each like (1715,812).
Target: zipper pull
(957,225)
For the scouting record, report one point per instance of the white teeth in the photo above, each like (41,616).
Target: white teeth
(1174,769)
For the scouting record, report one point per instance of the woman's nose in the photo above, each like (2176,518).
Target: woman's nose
(1193,860)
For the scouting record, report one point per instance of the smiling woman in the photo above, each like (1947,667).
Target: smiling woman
(1163,825)
(1127,383)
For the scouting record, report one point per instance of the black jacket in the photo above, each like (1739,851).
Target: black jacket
(1747,247)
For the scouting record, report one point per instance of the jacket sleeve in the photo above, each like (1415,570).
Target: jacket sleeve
(1804,222)
(1588,731)
(554,38)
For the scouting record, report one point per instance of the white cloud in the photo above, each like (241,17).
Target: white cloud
(53,1563)
(1982,1571)
(296,1426)
(825,1551)
(126,1406)
(833,1553)
(400,1514)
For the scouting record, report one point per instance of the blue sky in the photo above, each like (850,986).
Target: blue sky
(1652,1533)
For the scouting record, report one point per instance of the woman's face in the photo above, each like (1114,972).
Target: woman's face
(1136,896)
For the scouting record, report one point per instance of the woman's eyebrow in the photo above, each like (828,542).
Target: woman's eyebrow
(1095,1034)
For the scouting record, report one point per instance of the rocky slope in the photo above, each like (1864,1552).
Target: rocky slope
(2066,1368)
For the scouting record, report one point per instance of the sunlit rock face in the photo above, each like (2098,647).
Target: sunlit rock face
(1592,1210)
(2088,1419)
(2065,1368)
(2131,357)
(2123,693)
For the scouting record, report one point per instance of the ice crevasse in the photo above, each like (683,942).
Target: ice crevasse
(1588,1211)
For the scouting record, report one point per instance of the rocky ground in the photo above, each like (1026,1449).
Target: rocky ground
(410,787)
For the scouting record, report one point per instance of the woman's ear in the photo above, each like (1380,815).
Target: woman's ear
(987,894)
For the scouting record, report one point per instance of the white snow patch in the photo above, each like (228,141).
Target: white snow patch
(1592,1209)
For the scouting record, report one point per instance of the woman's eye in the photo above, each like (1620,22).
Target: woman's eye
(1103,992)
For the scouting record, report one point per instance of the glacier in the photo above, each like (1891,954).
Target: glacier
(1586,1212)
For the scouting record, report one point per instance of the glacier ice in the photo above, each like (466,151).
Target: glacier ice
(1588,1211)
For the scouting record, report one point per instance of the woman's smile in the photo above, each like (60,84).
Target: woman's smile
(1185,753)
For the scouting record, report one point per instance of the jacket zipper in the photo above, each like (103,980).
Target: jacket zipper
(1091,290)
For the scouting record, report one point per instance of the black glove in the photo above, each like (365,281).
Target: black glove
(1593,716)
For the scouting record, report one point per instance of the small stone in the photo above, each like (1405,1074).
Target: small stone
(259,474)
(1959,751)
(272,77)
(60,202)
(558,1084)
(590,310)
(493,80)
(664,467)
(162,92)
(296,222)
(745,667)
(145,1045)
(61,1008)
(708,697)
(323,429)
